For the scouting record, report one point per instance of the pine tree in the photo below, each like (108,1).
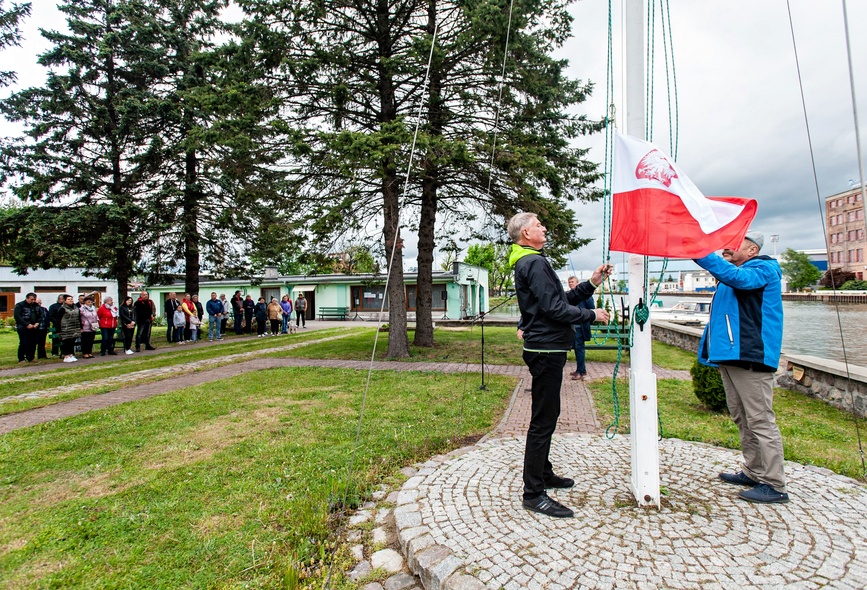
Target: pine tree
(88,141)
(10,33)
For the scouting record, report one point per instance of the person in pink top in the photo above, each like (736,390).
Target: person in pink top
(89,325)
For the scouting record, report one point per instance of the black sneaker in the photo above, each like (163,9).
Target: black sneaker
(740,478)
(764,494)
(555,481)
(548,506)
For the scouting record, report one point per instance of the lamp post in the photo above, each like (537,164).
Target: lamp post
(774,239)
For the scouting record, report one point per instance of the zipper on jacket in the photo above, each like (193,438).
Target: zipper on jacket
(729,328)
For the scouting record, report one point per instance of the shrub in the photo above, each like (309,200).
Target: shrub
(854,286)
(708,386)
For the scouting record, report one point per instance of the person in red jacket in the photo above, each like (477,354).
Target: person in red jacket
(107,314)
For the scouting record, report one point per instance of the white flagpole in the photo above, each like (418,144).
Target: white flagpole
(643,418)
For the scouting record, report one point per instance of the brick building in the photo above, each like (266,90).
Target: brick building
(844,226)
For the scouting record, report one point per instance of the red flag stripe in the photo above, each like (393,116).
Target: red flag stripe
(655,222)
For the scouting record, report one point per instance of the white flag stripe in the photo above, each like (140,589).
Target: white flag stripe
(630,151)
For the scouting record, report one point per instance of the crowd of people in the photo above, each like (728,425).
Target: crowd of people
(77,323)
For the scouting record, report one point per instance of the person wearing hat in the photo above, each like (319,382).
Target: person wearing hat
(743,338)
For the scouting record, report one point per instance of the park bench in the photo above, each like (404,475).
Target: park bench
(54,339)
(337,313)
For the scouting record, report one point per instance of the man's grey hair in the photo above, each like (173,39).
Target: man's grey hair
(518,223)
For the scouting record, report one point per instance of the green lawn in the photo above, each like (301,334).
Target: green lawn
(84,372)
(226,485)
(814,433)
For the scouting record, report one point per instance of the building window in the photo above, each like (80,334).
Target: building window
(49,289)
(369,298)
(438,300)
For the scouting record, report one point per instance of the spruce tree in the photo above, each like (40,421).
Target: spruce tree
(88,143)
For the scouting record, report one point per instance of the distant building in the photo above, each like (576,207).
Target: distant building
(48,284)
(845,229)
(698,281)
(457,294)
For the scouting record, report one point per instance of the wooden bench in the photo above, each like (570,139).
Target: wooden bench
(608,338)
(337,313)
(54,339)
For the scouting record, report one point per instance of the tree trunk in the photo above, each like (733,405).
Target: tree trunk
(398,342)
(424,333)
(190,231)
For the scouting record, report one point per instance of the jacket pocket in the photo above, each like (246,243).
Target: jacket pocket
(729,329)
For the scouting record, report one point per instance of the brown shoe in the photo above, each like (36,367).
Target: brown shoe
(577,377)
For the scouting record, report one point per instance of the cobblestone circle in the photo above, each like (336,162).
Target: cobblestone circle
(703,537)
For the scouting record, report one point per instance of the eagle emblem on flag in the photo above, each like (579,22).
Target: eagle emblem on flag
(655,166)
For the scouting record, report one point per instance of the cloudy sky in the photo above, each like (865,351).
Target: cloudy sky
(742,129)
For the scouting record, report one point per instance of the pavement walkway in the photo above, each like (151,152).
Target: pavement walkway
(461,526)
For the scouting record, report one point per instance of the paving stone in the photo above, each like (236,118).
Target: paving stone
(401,581)
(380,536)
(708,538)
(373,586)
(360,517)
(360,570)
(387,559)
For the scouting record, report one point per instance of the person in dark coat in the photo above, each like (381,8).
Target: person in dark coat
(547,316)
(261,311)
(70,328)
(28,316)
(249,307)
(238,312)
(582,335)
(145,312)
(126,317)
(171,305)
(44,323)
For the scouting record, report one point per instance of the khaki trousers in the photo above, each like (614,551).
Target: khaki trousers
(750,398)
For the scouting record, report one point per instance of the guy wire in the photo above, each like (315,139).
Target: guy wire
(821,209)
(351,469)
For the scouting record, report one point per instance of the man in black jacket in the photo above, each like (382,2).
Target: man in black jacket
(145,311)
(547,317)
(27,315)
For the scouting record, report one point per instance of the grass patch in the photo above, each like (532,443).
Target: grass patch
(814,433)
(237,483)
(82,372)
(463,345)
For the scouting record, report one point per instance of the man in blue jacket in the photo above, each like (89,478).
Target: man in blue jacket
(214,307)
(743,338)
(547,316)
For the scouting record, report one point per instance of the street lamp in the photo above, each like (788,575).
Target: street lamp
(774,239)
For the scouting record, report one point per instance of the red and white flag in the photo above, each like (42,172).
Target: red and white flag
(658,211)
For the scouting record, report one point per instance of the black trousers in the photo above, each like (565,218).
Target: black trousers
(248,318)
(143,334)
(27,343)
(239,318)
(547,372)
(127,338)
(40,344)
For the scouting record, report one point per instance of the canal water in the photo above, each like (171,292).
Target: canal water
(812,327)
